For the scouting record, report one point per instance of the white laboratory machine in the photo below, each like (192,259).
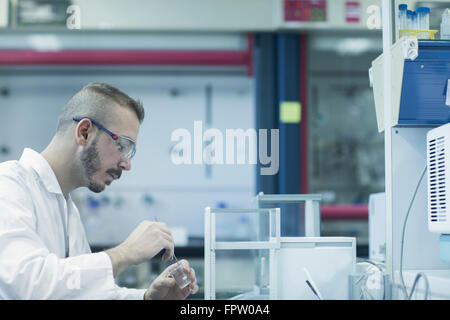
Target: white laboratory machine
(438,178)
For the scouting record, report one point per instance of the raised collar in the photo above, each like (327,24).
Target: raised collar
(42,168)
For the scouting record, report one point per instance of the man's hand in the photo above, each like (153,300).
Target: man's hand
(165,287)
(146,241)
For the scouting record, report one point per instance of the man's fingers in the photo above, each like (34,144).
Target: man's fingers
(190,272)
(167,243)
(186,291)
(163,227)
(194,289)
(185,264)
(167,256)
(193,285)
(165,282)
(165,239)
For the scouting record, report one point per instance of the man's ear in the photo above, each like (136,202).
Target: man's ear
(84,131)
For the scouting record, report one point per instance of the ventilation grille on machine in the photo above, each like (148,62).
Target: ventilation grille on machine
(437,183)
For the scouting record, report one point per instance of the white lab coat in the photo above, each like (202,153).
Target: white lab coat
(44,252)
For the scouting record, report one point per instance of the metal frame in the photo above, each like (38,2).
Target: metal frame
(312,208)
(211,245)
(274,245)
(387,19)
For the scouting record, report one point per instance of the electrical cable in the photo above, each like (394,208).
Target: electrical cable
(377,265)
(421,274)
(416,280)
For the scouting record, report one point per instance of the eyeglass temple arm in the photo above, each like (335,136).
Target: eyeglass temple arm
(114,136)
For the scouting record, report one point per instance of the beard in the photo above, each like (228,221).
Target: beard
(91,165)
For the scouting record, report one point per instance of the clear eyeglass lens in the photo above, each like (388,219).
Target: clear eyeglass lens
(126,147)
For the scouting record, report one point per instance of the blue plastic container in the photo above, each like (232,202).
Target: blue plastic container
(424,86)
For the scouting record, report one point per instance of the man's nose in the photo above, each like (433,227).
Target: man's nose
(125,164)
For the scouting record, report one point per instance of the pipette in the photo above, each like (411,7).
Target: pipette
(181,278)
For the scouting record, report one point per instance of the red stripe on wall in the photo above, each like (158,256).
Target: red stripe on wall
(125,57)
(344,212)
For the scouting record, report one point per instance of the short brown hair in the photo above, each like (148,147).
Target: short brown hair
(94,101)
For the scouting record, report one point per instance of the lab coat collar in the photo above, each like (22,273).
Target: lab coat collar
(42,168)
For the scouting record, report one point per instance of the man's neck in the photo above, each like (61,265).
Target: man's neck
(61,160)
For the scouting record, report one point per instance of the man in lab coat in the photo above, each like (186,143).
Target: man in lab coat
(44,253)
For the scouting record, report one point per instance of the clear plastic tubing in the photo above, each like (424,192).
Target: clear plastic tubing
(402,16)
(423,17)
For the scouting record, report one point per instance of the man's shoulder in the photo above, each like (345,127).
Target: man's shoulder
(16,193)
(14,170)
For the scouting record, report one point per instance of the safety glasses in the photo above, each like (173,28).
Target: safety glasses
(126,146)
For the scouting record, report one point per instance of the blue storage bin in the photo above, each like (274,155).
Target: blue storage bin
(424,87)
